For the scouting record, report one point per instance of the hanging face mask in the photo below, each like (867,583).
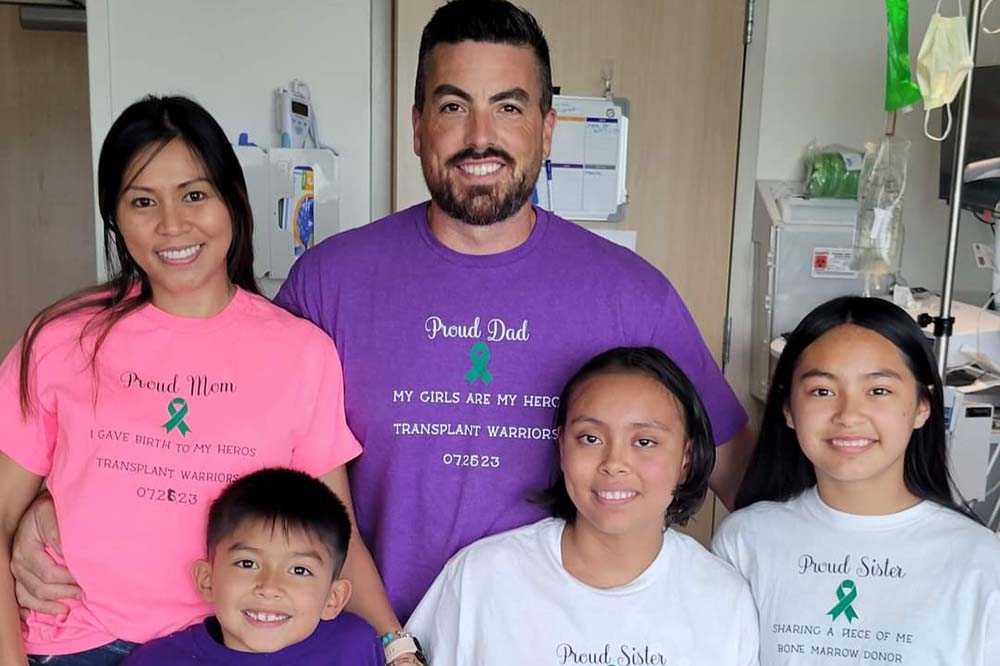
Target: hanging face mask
(982,19)
(942,65)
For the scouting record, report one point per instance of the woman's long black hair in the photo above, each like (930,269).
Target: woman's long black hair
(150,122)
(779,470)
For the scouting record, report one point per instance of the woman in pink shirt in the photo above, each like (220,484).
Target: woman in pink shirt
(137,400)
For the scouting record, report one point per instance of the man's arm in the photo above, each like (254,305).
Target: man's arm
(731,460)
(370,600)
(39,581)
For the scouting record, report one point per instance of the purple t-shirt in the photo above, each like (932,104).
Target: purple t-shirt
(346,640)
(453,363)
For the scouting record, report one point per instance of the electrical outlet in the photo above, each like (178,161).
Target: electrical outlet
(983,254)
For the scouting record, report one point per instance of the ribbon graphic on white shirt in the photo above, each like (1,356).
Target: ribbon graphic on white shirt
(846,594)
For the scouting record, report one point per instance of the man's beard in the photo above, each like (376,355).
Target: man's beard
(482,205)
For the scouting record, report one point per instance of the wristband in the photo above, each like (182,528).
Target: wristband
(398,643)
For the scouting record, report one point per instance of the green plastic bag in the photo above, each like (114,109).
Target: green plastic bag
(833,172)
(900,90)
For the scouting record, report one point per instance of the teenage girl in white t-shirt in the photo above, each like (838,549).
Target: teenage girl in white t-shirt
(852,543)
(606,580)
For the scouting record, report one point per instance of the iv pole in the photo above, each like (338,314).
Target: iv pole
(944,323)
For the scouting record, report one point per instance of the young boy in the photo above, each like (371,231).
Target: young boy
(277,539)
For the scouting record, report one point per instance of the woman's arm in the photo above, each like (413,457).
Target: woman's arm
(369,599)
(18,488)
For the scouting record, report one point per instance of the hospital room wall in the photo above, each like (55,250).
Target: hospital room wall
(232,61)
(824,78)
(815,70)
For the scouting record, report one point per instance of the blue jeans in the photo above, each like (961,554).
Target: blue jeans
(111,654)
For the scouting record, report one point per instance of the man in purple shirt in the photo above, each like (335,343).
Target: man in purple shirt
(459,320)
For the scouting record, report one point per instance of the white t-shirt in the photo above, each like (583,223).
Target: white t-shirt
(918,587)
(507,599)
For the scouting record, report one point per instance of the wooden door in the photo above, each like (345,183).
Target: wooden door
(680,65)
(46,193)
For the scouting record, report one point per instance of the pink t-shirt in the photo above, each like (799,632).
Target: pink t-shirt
(181,408)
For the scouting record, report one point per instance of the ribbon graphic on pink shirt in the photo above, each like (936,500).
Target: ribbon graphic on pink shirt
(178,409)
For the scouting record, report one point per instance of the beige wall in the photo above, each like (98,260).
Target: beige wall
(46,197)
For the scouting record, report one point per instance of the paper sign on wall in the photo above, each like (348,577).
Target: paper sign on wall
(584,178)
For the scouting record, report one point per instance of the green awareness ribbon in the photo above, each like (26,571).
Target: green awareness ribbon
(480,356)
(846,594)
(178,409)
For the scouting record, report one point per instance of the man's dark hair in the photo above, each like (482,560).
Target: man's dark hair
(493,21)
(282,498)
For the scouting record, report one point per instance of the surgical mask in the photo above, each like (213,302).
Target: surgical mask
(942,65)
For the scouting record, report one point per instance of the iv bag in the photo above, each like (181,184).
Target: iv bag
(878,232)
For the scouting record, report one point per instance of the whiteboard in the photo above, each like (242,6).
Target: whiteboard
(584,177)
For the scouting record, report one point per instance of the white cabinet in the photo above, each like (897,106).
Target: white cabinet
(802,249)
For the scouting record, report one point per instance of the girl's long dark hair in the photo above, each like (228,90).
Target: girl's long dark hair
(779,470)
(151,122)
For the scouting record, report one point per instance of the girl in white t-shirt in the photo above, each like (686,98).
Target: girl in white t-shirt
(853,546)
(605,581)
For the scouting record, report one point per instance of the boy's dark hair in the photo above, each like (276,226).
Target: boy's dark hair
(493,21)
(287,498)
(779,471)
(653,363)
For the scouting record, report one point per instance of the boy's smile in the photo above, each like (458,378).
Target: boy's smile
(270,586)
